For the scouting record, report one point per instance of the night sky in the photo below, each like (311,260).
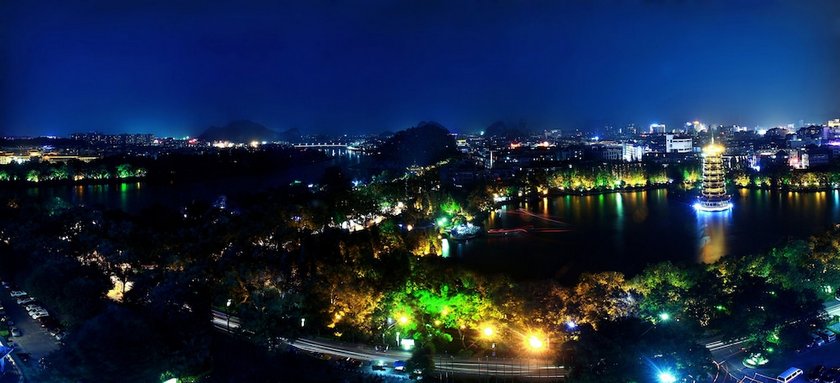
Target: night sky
(175,67)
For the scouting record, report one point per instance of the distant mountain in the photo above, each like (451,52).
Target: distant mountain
(244,131)
(503,129)
(424,144)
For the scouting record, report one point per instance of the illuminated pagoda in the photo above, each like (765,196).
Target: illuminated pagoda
(713,195)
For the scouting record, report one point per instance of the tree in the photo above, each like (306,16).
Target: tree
(115,346)
(633,350)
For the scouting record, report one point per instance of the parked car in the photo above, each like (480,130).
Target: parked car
(17,293)
(16,332)
(39,314)
(828,335)
(23,301)
(33,307)
(5,284)
(36,312)
(816,340)
(60,336)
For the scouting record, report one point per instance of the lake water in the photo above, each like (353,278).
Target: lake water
(624,232)
(565,236)
(136,196)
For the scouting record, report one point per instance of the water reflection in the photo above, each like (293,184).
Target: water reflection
(627,231)
(712,228)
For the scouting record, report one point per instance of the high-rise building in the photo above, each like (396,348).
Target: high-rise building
(657,128)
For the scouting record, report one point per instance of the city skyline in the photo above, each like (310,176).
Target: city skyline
(176,69)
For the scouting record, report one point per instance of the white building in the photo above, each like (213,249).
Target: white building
(674,144)
(632,153)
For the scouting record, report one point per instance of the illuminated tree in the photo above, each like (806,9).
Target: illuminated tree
(600,296)
(742,180)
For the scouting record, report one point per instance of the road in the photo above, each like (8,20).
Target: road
(532,368)
(730,355)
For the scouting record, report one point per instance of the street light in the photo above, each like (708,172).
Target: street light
(534,343)
(227,309)
(488,331)
(666,377)
(664,316)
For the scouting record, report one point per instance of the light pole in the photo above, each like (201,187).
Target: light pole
(227,313)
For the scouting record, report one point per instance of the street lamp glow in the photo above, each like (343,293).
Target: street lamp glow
(664,316)
(666,377)
(535,343)
(488,331)
(403,319)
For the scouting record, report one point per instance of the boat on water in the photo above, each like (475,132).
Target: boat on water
(465,231)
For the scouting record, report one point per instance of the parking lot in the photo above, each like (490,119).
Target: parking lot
(33,340)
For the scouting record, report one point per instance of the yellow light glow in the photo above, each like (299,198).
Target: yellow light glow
(535,341)
(488,331)
(403,319)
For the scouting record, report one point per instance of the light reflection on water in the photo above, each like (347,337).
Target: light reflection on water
(626,231)
(712,228)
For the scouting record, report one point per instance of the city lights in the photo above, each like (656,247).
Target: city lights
(470,191)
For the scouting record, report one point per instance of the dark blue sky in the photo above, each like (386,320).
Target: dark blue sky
(175,67)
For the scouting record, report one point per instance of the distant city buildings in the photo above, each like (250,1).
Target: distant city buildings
(657,128)
(115,139)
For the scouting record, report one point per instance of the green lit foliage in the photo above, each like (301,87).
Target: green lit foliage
(658,177)
(33,176)
(450,207)
(439,306)
(59,173)
(685,293)
(4,175)
(761,181)
(124,171)
(690,176)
